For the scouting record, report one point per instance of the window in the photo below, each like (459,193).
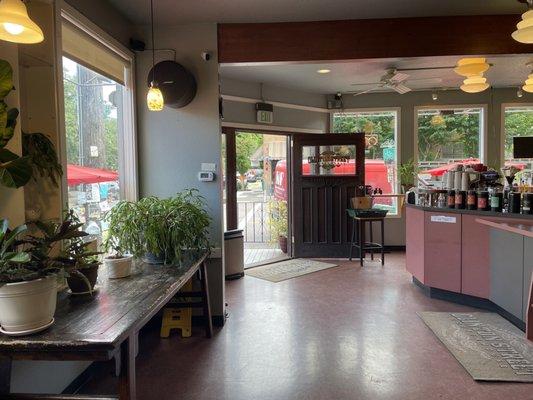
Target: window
(448,135)
(381,151)
(99,130)
(518,121)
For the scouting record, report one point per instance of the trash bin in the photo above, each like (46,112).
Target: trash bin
(234,254)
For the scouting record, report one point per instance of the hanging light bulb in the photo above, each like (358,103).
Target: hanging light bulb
(471,66)
(154,98)
(519,93)
(15,24)
(528,85)
(524,31)
(475,84)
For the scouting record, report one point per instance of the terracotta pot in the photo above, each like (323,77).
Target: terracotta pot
(79,285)
(118,267)
(283,243)
(28,306)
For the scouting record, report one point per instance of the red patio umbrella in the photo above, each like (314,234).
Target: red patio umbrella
(77,174)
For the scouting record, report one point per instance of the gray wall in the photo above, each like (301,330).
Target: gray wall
(173,143)
(285,117)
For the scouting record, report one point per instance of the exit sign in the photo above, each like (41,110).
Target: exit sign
(265,113)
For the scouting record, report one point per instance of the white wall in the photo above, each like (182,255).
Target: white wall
(285,117)
(173,143)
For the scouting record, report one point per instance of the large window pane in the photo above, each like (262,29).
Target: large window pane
(447,136)
(94,127)
(381,133)
(518,122)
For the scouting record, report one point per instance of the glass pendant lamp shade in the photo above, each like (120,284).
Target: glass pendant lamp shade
(15,24)
(524,31)
(528,85)
(154,98)
(471,66)
(474,84)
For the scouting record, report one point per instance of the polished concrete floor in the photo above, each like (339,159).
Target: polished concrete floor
(341,333)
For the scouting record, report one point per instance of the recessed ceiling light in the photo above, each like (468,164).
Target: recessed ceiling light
(324,71)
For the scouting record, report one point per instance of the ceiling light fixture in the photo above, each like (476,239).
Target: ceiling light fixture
(154,98)
(524,28)
(519,92)
(528,85)
(475,84)
(324,71)
(15,24)
(434,96)
(471,66)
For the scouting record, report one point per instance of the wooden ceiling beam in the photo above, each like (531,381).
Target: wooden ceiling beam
(368,38)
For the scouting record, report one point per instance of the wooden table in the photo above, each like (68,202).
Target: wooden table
(105,326)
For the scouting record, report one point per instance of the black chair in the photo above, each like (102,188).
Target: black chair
(359,224)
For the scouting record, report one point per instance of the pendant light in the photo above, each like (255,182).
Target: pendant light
(528,84)
(524,31)
(471,66)
(15,24)
(475,84)
(154,98)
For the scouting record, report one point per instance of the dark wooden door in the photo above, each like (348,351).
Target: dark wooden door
(327,170)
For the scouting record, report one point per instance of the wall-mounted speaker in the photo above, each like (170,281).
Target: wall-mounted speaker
(177,84)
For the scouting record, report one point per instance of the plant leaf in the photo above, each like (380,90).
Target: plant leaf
(6,79)
(15,171)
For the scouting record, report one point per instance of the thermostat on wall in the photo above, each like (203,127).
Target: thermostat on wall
(206,176)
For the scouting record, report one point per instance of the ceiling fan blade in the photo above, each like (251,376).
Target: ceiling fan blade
(365,91)
(365,84)
(399,77)
(400,88)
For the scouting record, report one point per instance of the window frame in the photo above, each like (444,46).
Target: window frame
(397,137)
(128,162)
(502,127)
(483,142)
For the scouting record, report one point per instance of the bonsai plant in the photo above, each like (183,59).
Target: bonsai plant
(117,263)
(160,229)
(407,172)
(278,223)
(28,274)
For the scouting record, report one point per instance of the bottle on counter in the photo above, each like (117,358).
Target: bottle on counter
(483,201)
(527,203)
(451,198)
(515,199)
(460,199)
(441,200)
(496,201)
(471,200)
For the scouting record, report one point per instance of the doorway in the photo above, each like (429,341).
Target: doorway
(257,194)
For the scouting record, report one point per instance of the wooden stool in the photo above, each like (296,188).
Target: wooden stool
(359,225)
(178,318)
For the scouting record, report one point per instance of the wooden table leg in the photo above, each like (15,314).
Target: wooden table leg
(5,375)
(529,314)
(205,300)
(126,388)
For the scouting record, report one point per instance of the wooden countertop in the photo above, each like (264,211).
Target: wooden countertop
(518,228)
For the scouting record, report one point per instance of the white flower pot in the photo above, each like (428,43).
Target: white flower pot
(118,267)
(27,307)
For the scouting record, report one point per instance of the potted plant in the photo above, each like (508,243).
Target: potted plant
(28,274)
(407,172)
(158,230)
(278,223)
(118,264)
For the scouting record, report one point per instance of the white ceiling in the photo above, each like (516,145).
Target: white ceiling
(507,71)
(168,12)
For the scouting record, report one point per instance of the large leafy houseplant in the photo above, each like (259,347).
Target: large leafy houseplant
(278,223)
(407,172)
(15,171)
(161,227)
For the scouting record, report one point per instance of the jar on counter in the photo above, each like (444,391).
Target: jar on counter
(483,201)
(515,200)
(460,199)
(451,198)
(496,201)
(527,203)
(471,200)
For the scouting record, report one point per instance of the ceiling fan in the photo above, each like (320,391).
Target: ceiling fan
(391,80)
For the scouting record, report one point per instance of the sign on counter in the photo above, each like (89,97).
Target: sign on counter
(443,218)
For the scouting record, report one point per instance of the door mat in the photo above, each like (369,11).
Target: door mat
(288,269)
(489,347)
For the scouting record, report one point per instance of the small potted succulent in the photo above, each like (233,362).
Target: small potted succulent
(118,264)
